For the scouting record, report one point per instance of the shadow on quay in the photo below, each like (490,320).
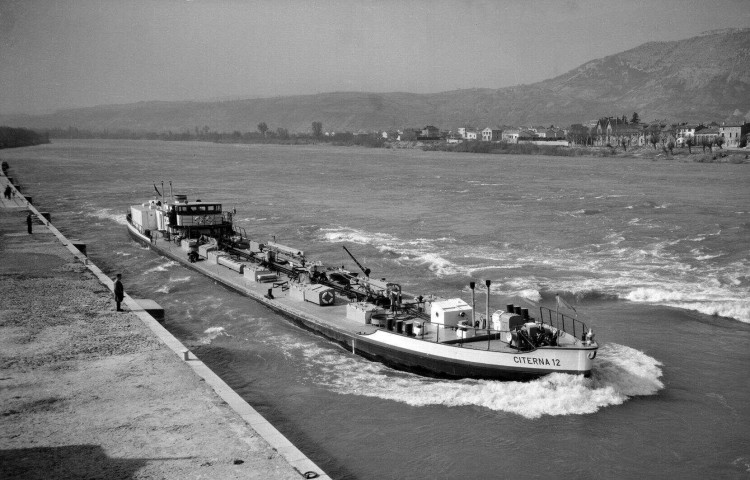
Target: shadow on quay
(68,462)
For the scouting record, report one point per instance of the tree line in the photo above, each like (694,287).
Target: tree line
(21,137)
(262,134)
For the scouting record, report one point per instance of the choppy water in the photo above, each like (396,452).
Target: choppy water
(653,255)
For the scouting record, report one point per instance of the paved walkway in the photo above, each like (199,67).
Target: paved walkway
(87,392)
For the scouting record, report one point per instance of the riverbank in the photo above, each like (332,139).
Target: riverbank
(647,151)
(88,392)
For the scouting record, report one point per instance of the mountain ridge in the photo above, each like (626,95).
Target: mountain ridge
(702,78)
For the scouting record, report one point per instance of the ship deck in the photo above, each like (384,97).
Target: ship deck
(332,316)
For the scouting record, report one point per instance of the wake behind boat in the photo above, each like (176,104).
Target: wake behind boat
(371,317)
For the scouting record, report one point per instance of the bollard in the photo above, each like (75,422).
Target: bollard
(186,355)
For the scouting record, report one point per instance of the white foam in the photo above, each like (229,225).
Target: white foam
(211,333)
(161,268)
(702,257)
(419,251)
(530,294)
(658,272)
(167,287)
(655,295)
(739,310)
(620,373)
(361,237)
(108,214)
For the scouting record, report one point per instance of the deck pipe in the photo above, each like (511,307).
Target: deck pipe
(487,315)
(473,307)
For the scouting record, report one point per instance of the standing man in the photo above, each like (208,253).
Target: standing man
(119,292)
(28,223)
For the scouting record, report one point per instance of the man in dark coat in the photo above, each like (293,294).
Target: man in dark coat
(28,223)
(119,292)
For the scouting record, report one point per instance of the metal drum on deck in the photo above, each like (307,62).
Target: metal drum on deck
(409,328)
(378,319)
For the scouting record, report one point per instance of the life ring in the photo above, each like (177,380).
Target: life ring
(592,355)
(327,298)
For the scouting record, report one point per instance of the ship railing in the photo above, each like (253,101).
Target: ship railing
(560,321)
(478,338)
(240,231)
(481,339)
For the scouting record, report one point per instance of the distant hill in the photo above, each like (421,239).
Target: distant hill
(703,78)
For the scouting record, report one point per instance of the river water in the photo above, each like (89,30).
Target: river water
(653,255)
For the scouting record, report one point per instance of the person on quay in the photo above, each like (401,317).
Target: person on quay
(28,223)
(119,292)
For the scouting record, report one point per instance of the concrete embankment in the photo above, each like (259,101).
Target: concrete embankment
(88,392)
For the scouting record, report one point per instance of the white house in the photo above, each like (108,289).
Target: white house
(462,131)
(510,135)
(491,134)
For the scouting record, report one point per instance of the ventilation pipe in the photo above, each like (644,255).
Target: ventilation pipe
(473,307)
(487,317)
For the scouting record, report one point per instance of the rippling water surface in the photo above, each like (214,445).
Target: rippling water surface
(653,255)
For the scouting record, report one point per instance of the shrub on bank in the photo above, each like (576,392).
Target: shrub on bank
(724,157)
(504,148)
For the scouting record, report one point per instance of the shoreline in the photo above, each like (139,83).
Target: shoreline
(681,154)
(88,392)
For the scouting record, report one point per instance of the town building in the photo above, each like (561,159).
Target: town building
(613,132)
(733,134)
(706,136)
(429,133)
(510,135)
(463,132)
(491,134)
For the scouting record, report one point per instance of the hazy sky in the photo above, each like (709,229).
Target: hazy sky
(58,54)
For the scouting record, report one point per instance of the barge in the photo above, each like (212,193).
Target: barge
(440,337)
